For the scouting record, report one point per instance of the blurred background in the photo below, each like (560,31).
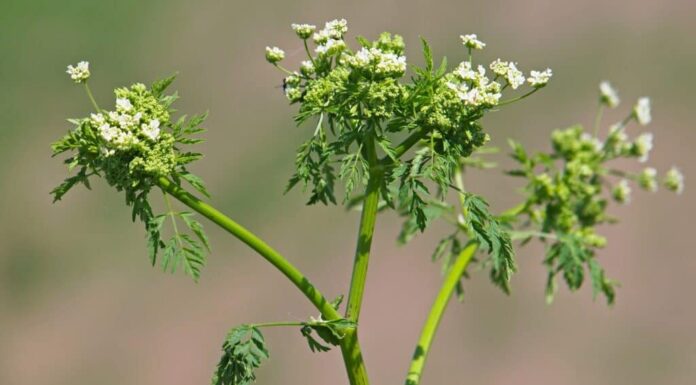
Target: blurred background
(79,303)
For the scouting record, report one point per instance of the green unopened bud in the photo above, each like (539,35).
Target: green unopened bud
(608,95)
(647,179)
(274,55)
(674,180)
(622,192)
(304,31)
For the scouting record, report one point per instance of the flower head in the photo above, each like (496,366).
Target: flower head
(274,55)
(608,95)
(152,129)
(514,76)
(330,47)
(539,79)
(622,192)
(307,67)
(80,72)
(674,180)
(471,41)
(647,179)
(641,111)
(304,31)
(643,145)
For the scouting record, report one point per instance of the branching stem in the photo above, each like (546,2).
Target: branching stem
(425,341)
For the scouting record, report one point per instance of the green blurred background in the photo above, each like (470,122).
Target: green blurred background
(79,303)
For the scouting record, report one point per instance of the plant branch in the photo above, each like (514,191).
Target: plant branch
(258,245)
(436,312)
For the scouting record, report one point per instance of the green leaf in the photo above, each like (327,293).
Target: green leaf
(160,86)
(428,55)
(244,350)
(195,181)
(196,227)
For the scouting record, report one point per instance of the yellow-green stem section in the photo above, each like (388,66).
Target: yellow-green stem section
(365,233)
(266,251)
(436,312)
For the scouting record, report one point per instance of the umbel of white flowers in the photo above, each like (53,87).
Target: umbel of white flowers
(80,72)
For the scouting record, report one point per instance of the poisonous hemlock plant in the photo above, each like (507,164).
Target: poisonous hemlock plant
(382,134)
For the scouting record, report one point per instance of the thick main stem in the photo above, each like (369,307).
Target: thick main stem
(436,312)
(350,345)
(266,251)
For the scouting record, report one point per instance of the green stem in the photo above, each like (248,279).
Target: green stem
(171,216)
(350,347)
(266,251)
(365,233)
(505,102)
(438,309)
(406,145)
(91,97)
(598,120)
(277,324)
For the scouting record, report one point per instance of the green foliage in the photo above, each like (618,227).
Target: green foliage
(131,148)
(329,333)
(243,351)
(569,190)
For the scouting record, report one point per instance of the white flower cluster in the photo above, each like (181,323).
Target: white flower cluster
(80,72)
(274,54)
(641,111)
(378,62)
(622,192)
(509,71)
(674,180)
(307,67)
(330,39)
(471,41)
(539,79)
(608,95)
(643,145)
(647,179)
(304,31)
(474,88)
(125,128)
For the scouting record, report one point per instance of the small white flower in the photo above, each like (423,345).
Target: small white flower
(304,31)
(641,111)
(471,41)
(307,67)
(108,132)
(97,119)
(499,67)
(647,179)
(80,72)
(330,47)
(586,137)
(539,78)
(622,192)
(152,129)
(465,71)
(643,145)
(274,54)
(674,180)
(514,76)
(123,105)
(608,95)
(335,29)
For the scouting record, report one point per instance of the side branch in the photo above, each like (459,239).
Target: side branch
(436,312)
(266,251)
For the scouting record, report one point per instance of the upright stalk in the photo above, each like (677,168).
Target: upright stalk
(350,345)
(436,312)
(365,233)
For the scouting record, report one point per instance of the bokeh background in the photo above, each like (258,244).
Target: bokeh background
(79,303)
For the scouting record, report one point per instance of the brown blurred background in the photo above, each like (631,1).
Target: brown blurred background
(79,303)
